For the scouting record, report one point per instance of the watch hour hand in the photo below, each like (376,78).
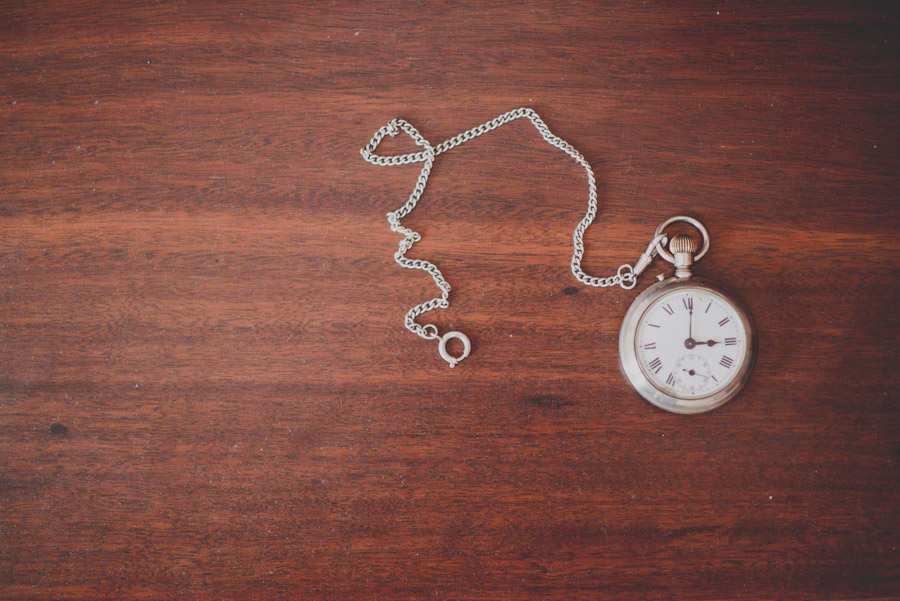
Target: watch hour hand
(691,343)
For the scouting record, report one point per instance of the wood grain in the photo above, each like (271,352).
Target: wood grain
(206,388)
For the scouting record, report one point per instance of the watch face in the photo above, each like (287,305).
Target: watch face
(691,343)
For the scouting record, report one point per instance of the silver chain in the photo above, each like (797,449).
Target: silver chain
(625,276)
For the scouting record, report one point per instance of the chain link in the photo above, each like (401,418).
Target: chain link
(624,277)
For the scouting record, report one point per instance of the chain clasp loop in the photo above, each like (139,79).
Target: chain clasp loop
(442,347)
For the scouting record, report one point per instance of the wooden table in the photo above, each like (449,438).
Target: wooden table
(207,391)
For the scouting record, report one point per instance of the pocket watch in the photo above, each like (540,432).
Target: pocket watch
(687,344)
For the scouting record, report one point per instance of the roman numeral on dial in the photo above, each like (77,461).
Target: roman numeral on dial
(668,309)
(656,365)
(650,346)
(726,362)
(688,303)
(731,342)
(724,321)
(670,380)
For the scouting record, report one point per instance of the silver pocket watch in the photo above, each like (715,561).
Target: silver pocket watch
(687,344)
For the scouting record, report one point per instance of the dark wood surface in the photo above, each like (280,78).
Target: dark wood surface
(206,388)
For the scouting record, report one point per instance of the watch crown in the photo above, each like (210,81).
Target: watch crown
(683,243)
(683,248)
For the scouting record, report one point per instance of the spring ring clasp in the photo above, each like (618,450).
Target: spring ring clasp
(442,347)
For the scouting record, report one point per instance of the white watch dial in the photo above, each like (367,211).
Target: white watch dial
(690,343)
